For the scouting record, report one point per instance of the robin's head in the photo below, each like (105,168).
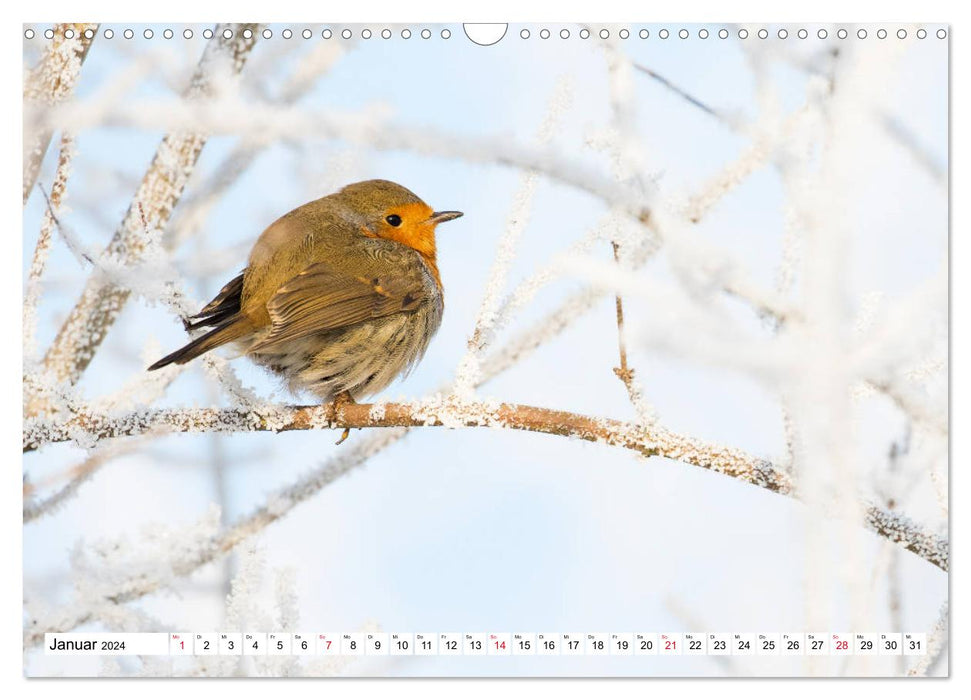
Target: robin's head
(388,210)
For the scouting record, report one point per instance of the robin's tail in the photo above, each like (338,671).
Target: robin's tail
(222,314)
(230,330)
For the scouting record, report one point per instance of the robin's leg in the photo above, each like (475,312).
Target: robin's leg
(343,399)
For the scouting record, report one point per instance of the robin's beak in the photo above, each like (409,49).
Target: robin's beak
(442,216)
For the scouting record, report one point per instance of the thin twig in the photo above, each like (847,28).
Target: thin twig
(908,140)
(691,99)
(79,475)
(623,372)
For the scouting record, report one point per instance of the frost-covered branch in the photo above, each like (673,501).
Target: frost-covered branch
(936,645)
(452,412)
(488,318)
(644,440)
(47,84)
(42,249)
(100,303)
(437,411)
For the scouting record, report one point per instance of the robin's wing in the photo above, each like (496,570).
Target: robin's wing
(321,298)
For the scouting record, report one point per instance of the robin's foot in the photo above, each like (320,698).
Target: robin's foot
(340,401)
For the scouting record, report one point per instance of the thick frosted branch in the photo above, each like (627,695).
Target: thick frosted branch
(38,264)
(162,186)
(647,440)
(48,83)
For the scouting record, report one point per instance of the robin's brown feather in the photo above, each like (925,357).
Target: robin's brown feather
(321,299)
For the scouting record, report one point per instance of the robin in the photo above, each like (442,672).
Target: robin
(340,296)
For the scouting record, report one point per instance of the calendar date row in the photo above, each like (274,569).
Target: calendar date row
(487,644)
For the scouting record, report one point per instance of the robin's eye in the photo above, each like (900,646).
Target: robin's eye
(394,220)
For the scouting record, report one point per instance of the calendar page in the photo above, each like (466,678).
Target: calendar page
(485,350)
